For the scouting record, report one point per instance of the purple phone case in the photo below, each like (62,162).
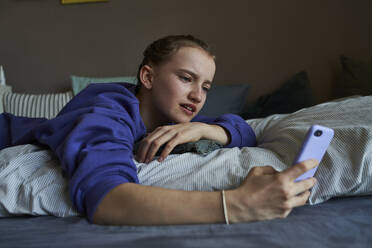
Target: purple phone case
(314,147)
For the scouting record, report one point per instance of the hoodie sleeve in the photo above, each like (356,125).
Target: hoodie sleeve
(93,137)
(241,134)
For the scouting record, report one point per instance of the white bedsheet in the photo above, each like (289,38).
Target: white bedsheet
(31,181)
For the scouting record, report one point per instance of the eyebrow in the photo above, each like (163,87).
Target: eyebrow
(194,75)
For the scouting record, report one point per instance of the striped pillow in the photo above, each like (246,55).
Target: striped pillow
(28,105)
(3,89)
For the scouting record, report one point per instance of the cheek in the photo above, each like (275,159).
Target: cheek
(204,99)
(161,87)
(166,96)
(167,85)
(170,90)
(177,89)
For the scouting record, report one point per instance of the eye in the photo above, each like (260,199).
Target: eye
(185,78)
(206,88)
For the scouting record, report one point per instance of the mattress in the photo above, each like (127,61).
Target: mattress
(340,222)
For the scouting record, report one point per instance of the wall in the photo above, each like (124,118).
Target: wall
(260,42)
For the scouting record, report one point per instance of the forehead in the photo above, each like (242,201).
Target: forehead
(194,59)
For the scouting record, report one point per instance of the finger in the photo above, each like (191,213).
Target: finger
(142,150)
(147,142)
(300,168)
(303,186)
(299,200)
(261,170)
(267,169)
(169,147)
(156,144)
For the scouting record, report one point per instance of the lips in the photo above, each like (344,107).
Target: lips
(190,108)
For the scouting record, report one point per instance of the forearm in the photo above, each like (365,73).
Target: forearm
(135,204)
(264,194)
(216,133)
(238,131)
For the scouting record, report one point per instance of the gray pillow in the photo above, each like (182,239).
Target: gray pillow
(225,99)
(293,95)
(355,79)
(3,89)
(78,83)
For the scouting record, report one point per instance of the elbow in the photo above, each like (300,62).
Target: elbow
(99,218)
(113,209)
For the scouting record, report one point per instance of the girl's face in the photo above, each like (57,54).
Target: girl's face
(180,85)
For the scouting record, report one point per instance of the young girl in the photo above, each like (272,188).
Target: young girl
(94,136)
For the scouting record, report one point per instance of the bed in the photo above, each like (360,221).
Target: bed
(36,210)
(337,223)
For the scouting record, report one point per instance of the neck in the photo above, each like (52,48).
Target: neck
(149,114)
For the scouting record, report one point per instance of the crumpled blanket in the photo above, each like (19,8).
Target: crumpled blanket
(31,181)
(202,147)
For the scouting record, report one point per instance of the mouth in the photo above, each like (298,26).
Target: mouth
(188,108)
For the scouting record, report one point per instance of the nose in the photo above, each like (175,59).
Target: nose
(196,94)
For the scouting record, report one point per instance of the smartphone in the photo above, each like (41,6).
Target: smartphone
(314,146)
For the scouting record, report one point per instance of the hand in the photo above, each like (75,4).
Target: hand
(267,194)
(172,136)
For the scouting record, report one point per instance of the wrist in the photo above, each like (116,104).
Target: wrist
(204,130)
(231,206)
(214,132)
(237,206)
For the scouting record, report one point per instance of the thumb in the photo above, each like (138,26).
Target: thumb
(264,170)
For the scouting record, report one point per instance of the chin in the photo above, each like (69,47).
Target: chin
(182,119)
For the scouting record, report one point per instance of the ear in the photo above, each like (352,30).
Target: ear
(146,76)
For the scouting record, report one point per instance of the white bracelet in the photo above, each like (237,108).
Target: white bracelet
(225,208)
